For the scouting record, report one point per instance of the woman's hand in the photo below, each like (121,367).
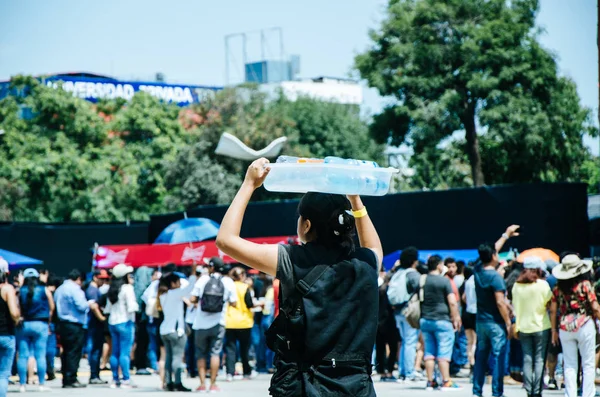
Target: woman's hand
(555,337)
(257,172)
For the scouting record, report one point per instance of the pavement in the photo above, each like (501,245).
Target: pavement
(148,385)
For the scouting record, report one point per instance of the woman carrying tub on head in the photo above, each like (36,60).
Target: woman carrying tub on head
(325,332)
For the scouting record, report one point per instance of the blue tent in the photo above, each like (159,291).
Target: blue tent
(459,255)
(18,260)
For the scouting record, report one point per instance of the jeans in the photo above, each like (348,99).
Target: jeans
(535,349)
(32,335)
(95,335)
(408,351)
(232,336)
(259,345)
(122,336)
(175,349)
(153,346)
(190,357)
(438,336)
(459,353)
(584,340)
(269,354)
(51,349)
(72,339)
(7,355)
(491,338)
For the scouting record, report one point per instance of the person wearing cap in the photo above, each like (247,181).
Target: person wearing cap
(530,297)
(121,307)
(209,327)
(575,301)
(72,309)
(95,326)
(331,355)
(10,315)
(37,307)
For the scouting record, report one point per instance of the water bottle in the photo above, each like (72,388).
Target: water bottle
(341,161)
(287,159)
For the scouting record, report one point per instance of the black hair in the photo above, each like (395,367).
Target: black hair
(566,286)
(408,256)
(3,277)
(449,260)
(55,281)
(460,267)
(433,262)
(164,285)
(74,275)
(31,283)
(486,253)
(115,288)
(332,224)
(170,268)
(468,272)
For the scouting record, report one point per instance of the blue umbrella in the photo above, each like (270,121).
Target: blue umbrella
(188,230)
(18,260)
(459,255)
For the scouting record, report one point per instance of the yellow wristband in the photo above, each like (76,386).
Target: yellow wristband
(360,213)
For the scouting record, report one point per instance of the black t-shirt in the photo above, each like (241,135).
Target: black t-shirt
(435,304)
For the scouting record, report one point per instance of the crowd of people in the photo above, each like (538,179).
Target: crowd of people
(125,319)
(315,307)
(513,320)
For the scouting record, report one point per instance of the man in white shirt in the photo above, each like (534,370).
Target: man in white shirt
(209,322)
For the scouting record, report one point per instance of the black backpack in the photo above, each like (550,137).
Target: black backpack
(212,298)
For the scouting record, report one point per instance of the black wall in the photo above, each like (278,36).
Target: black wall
(552,215)
(63,247)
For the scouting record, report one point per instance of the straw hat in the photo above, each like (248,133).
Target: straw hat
(571,267)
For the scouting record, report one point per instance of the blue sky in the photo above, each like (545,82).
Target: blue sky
(184,39)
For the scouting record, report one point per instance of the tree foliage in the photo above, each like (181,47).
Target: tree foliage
(65,159)
(474,67)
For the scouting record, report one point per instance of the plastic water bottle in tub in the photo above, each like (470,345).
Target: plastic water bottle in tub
(328,175)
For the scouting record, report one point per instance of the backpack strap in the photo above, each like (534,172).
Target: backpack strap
(422,281)
(303,286)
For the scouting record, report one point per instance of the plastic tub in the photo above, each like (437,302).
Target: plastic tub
(329,178)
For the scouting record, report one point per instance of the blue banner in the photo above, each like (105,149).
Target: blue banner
(93,89)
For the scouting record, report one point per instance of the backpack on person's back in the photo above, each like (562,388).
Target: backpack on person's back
(397,292)
(212,300)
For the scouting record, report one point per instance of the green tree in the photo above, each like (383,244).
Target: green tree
(475,66)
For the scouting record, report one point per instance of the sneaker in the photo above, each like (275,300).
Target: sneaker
(401,379)
(44,389)
(127,384)
(431,386)
(180,387)
(143,371)
(22,389)
(229,378)
(201,389)
(97,381)
(418,376)
(450,386)
(552,385)
(391,378)
(114,385)
(214,389)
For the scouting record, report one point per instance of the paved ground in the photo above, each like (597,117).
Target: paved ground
(254,388)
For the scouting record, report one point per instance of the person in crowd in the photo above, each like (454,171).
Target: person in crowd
(452,267)
(403,284)
(37,307)
(440,319)
(267,320)
(95,330)
(387,338)
(493,322)
(72,309)
(149,299)
(459,278)
(172,329)
(121,308)
(10,315)
(575,301)
(142,279)
(257,284)
(238,325)
(469,298)
(336,282)
(51,346)
(530,297)
(213,293)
